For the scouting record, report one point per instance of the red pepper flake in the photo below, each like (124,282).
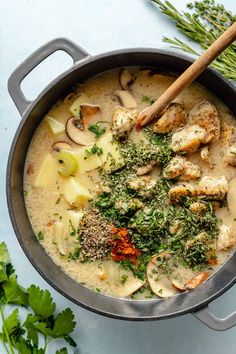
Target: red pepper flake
(121,246)
(30,169)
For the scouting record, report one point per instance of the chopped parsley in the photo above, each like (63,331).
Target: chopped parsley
(95,150)
(148,99)
(97,129)
(40,236)
(124,279)
(58,200)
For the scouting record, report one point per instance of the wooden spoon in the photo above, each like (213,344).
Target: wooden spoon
(193,71)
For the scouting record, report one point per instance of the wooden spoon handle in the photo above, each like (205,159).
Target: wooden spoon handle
(187,77)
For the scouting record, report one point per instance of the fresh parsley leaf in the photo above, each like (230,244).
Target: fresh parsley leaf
(14,293)
(62,351)
(41,301)
(32,334)
(70,340)
(95,150)
(64,323)
(4,255)
(3,272)
(97,129)
(11,322)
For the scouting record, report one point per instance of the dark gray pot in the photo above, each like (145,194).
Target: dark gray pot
(32,113)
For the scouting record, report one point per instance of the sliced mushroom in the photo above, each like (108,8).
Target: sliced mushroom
(160,284)
(197,280)
(126,99)
(206,115)
(88,110)
(126,79)
(61,145)
(181,276)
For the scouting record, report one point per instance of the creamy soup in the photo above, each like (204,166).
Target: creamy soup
(131,212)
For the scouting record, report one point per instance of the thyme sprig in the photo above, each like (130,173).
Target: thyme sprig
(205,22)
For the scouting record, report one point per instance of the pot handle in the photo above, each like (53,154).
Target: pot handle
(213,322)
(33,60)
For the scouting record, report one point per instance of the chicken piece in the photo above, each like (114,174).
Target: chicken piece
(175,228)
(197,207)
(229,155)
(132,204)
(144,170)
(192,171)
(141,183)
(205,153)
(206,116)
(174,168)
(213,187)
(173,118)
(228,136)
(179,191)
(180,167)
(226,238)
(188,139)
(123,121)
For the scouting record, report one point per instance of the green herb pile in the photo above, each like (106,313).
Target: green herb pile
(149,217)
(41,325)
(204,23)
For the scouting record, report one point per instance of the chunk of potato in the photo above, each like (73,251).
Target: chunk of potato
(48,172)
(74,217)
(75,193)
(75,107)
(55,126)
(86,161)
(111,157)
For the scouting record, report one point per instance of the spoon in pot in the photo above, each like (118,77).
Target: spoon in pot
(188,76)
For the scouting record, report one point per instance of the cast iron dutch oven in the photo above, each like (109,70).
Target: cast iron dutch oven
(84,67)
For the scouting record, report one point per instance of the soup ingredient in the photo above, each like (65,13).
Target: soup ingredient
(197,280)
(55,126)
(205,153)
(126,99)
(180,167)
(97,129)
(111,157)
(69,163)
(48,172)
(180,276)
(206,116)
(231,196)
(125,281)
(206,22)
(126,78)
(229,155)
(226,237)
(173,118)
(213,187)
(157,277)
(75,193)
(76,131)
(61,145)
(121,246)
(179,191)
(188,139)
(64,241)
(95,236)
(87,111)
(87,159)
(123,121)
(41,321)
(76,105)
(144,170)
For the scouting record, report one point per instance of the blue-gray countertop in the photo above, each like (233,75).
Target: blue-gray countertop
(97,26)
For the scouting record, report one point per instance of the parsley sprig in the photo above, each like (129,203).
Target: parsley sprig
(41,323)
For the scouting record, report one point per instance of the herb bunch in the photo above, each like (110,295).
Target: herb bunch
(205,22)
(41,323)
